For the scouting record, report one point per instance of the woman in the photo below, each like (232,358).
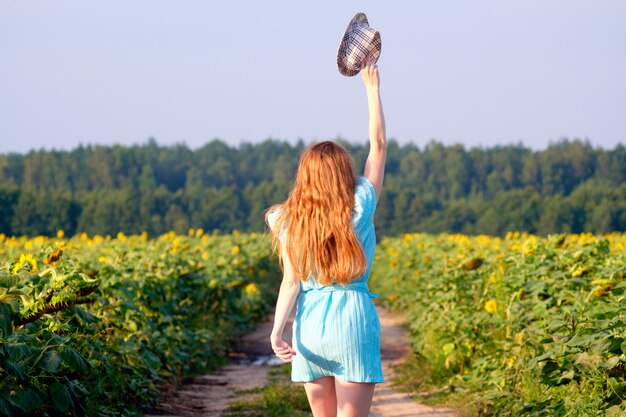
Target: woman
(324,234)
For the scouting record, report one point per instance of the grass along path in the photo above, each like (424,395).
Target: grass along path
(395,348)
(243,388)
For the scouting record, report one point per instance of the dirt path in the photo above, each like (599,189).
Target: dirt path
(209,395)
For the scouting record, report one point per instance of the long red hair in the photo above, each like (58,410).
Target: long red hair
(321,240)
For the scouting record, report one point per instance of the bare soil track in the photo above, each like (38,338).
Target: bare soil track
(209,395)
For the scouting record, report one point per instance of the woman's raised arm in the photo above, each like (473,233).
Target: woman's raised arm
(375,164)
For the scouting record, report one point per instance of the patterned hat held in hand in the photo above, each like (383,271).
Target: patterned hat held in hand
(358,41)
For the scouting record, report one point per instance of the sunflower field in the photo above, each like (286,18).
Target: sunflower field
(102,326)
(513,326)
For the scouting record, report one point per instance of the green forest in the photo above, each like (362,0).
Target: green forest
(570,186)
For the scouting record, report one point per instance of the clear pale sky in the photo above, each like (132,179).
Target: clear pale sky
(479,72)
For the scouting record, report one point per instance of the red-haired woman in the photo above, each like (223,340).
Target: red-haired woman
(324,235)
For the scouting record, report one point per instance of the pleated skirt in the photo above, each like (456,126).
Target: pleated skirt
(336,333)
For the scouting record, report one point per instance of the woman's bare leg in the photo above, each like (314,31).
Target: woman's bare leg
(353,398)
(322,397)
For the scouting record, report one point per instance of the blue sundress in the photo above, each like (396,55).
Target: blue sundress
(336,330)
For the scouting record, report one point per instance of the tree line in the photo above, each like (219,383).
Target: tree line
(568,187)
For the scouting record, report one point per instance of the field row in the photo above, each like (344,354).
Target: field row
(100,325)
(520,326)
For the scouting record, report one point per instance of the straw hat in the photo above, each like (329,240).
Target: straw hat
(358,41)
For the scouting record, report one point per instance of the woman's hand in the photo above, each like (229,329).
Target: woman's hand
(282,349)
(369,73)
